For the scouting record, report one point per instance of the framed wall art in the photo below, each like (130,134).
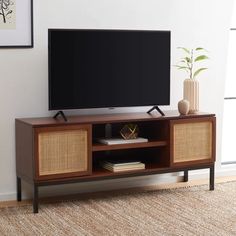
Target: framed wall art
(16,24)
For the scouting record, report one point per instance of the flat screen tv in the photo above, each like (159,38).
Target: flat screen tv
(108,68)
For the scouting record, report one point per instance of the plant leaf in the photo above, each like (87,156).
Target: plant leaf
(185,49)
(198,71)
(197,49)
(200,58)
(182,67)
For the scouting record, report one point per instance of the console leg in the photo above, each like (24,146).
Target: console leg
(212,177)
(35,199)
(18,186)
(186,176)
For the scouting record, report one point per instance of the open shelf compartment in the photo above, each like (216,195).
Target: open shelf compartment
(155,131)
(154,158)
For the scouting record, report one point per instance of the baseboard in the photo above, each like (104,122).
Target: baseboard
(7,196)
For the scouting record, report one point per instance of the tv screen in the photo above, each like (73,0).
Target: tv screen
(108,68)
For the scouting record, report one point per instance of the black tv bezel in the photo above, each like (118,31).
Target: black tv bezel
(53,108)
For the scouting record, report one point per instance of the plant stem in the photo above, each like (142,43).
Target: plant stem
(191,65)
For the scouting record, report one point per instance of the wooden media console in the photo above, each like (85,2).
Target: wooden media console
(51,151)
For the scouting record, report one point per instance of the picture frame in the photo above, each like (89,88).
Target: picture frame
(16,24)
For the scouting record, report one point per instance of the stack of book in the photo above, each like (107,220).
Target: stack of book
(123,165)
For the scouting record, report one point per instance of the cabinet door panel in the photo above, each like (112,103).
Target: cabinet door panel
(193,141)
(63,151)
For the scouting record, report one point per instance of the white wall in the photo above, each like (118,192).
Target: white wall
(24,81)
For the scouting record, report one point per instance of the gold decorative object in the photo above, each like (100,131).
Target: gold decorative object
(129,131)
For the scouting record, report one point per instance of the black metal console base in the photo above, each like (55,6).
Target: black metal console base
(211,175)
(18,186)
(186,176)
(35,199)
(37,185)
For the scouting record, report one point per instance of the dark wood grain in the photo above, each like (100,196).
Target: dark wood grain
(101,174)
(100,147)
(24,150)
(109,118)
(213,139)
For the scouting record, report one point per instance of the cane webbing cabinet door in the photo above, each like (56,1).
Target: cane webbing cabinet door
(62,151)
(193,141)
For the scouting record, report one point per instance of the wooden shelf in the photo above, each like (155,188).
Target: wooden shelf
(101,172)
(103,147)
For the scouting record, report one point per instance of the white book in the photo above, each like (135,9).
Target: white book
(124,169)
(114,141)
(140,165)
(120,162)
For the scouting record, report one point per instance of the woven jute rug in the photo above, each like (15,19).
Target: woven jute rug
(182,211)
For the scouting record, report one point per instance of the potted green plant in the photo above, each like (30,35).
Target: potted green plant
(189,63)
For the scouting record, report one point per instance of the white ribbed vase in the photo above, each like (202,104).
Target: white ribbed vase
(191,93)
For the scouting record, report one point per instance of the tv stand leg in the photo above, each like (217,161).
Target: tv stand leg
(18,184)
(156,108)
(212,177)
(186,176)
(60,113)
(35,199)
